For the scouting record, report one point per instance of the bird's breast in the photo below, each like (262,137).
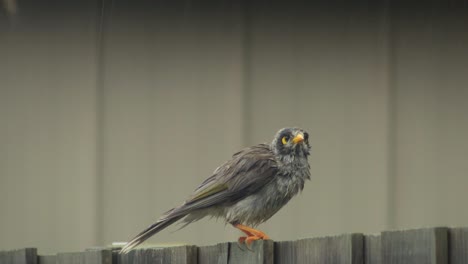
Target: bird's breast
(260,206)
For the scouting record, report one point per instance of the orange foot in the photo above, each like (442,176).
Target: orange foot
(252,235)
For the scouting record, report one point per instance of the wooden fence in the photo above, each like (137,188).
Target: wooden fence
(438,245)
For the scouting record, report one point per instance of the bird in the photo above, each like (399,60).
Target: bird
(246,190)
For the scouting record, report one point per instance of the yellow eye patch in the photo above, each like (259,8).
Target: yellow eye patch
(284,140)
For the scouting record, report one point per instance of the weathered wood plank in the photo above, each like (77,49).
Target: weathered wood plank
(4,257)
(458,245)
(51,259)
(175,255)
(183,255)
(261,252)
(142,256)
(429,245)
(98,256)
(372,249)
(285,252)
(90,256)
(216,254)
(339,249)
(20,256)
(70,258)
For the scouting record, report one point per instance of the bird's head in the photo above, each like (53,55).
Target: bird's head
(291,141)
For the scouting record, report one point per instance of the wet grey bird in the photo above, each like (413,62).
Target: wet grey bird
(246,190)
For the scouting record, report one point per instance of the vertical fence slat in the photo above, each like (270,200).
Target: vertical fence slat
(51,259)
(427,245)
(458,242)
(95,256)
(430,245)
(285,252)
(70,258)
(372,249)
(4,257)
(143,256)
(216,254)
(20,256)
(339,249)
(261,252)
(98,256)
(183,255)
(175,255)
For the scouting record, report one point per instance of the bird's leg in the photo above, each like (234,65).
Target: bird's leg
(252,234)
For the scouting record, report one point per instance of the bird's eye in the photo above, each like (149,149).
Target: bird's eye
(306,136)
(285,140)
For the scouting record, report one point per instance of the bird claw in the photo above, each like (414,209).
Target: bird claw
(252,235)
(250,239)
(240,242)
(247,241)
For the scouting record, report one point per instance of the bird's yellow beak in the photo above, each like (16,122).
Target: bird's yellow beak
(298,138)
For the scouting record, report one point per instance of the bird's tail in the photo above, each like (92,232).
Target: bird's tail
(148,232)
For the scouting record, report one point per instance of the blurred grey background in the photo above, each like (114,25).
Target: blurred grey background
(114,111)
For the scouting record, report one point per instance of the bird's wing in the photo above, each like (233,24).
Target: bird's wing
(244,174)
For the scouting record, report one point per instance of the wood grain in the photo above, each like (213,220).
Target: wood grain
(216,254)
(175,255)
(427,246)
(338,249)
(261,251)
(20,256)
(372,249)
(458,245)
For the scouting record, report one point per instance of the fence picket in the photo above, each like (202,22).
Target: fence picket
(372,249)
(427,245)
(337,249)
(261,251)
(458,245)
(176,255)
(216,254)
(19,256)
(438,245)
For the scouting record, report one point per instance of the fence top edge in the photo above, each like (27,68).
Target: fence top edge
(423,229)
(113,248)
